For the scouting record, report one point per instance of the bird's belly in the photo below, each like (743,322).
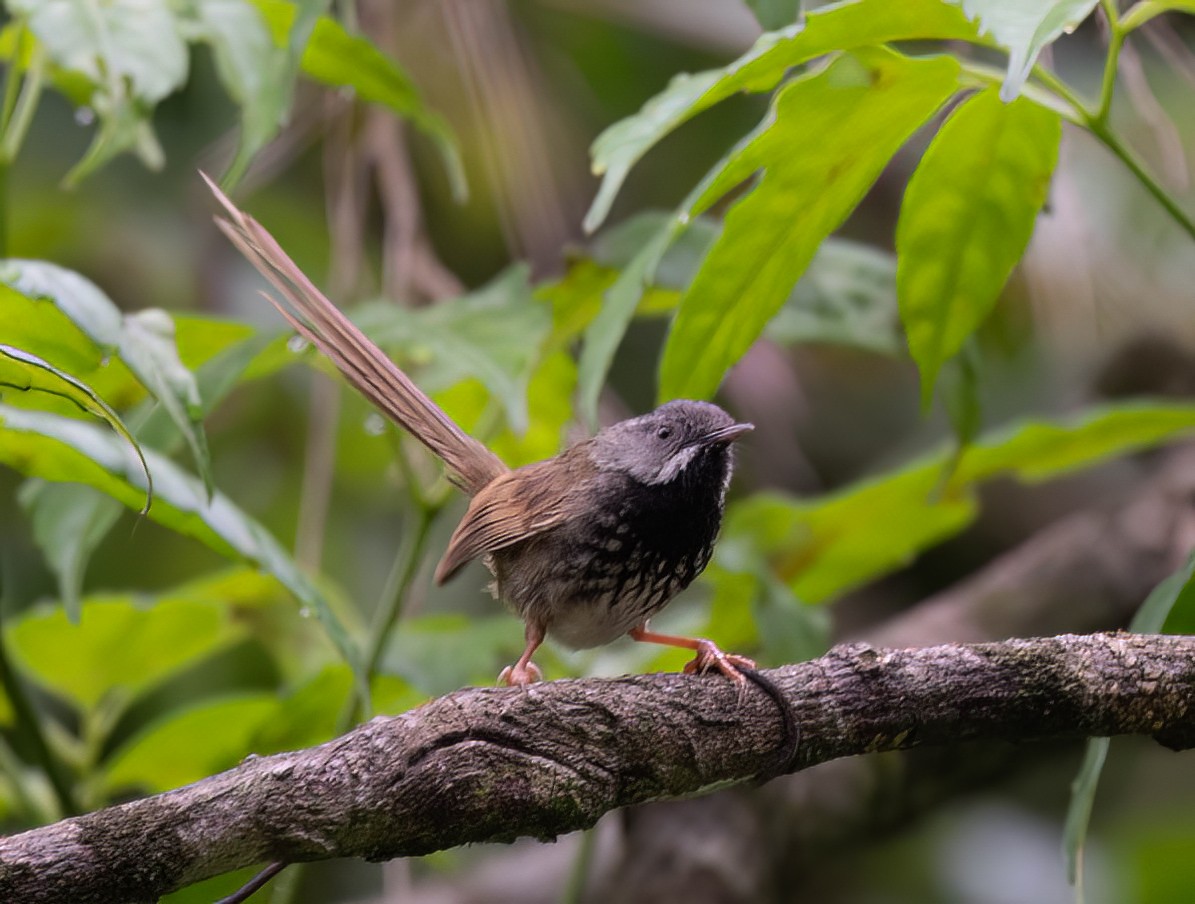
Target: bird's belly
(586,624)
(587,591)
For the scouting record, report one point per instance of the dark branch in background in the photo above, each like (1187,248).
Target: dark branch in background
(492,764)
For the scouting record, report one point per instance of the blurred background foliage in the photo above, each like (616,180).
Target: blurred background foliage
(429,164)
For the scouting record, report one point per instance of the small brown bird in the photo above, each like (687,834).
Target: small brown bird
(586,546)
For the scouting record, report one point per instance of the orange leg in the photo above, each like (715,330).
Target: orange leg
(708,655)
(525,671)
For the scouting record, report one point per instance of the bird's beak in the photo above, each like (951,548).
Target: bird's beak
(726,435)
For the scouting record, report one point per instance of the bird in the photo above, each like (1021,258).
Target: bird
(586,546)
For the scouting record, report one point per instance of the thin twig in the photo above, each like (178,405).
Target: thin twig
(410,266)
(253,885)
(1166,137)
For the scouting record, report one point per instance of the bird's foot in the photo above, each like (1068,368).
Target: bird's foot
(520,674)
(710,657)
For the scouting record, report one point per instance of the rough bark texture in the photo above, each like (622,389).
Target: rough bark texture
(491,764)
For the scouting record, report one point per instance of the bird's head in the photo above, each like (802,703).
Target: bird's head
(678,441)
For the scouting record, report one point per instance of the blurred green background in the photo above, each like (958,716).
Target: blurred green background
(1099,309)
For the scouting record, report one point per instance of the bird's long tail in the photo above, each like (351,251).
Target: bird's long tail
(363,364)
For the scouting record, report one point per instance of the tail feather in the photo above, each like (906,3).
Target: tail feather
(362,363)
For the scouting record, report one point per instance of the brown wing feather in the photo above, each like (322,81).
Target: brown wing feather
(515,506)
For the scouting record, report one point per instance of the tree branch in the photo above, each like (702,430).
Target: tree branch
(1109,557)
(740,846)
(492,764)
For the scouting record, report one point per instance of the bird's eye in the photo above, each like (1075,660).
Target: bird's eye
(664,432)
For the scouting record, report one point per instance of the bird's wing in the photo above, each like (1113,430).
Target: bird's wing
(513,507)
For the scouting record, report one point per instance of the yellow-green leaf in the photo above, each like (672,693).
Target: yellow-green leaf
(190,744)
(827,139)
(838,26)
(1023,28)
(117,646)
(966,219)
(62,449)
(824,547)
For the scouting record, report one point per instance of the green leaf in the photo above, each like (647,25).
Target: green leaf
(69,522)
(39,326)
(7,714)
(118,646)
(1078,814)
(823,547)
(1023,28)
(134,42)
(62,449)
(617,246)
(1175,590)
(1036,450)
(841,26)
(1145,10)
(846,297)
(1178,617)
(143,341)
(752,609)
(737,586)
(311,713)
(495,334)
(188,745)
(279,68)
(245,55)
(966,219)
(440,653)
(335,57)
(862,108)
(78,298)
(656,253)
(147,347)
(123,127)
(626,294)
(962,400)
(577,297)
(215,378)
(789,631)
(549,400)
(308,715)
(607,328)
(29,373)
(131,52)
(201,338)
(771,14)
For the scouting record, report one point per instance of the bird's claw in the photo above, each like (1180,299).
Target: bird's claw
(520,674)
(710,657)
